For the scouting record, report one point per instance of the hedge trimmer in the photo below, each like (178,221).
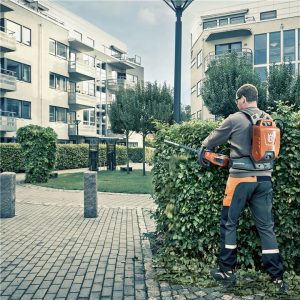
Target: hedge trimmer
(205,156)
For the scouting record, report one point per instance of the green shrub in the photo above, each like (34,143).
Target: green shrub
(39,148)
(69,156)
(11,158)
(189,198)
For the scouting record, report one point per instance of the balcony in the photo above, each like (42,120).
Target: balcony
(81,100)
(79,45)
(115,84)
(8,42)
(83,130)
(8,81)
(79,70)
(242,53)
(8,121)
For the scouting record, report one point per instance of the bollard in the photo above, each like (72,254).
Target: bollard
(90,195)
(7,194)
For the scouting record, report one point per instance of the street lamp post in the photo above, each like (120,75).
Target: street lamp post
(77,123)
(178,6)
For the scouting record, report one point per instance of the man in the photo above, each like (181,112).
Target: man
(252,185)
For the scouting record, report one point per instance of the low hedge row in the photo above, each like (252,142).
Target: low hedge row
(189,198)
(68,156)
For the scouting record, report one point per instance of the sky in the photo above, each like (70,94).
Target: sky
(148,30)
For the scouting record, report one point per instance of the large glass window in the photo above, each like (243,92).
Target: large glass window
(26,36)
(260,49)
(274,47)
(289,45)
(230,47)
(16,29)
(89,117)
(15,67)
(61,50)
(20,108)
(266,15)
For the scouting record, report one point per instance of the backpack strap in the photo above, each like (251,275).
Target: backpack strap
(254,117)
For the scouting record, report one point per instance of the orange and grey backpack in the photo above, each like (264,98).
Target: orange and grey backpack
(265,137)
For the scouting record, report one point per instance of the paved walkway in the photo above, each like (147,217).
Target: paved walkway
(49,251)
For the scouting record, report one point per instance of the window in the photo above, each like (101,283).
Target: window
(237,20)
(26,36)
(89,117)
(267,15)
(88,87)
(58,114)
(209,24)
(21,33)
(223,22)
(16,28)
(274,47)
(199,59)
(193,90)
(90,41)
(199,87)
(21,71)
(61,50)
(262,73)
(20,108)
(26,73)
(289,45)
(58,82)
(227,48)
(52,46)
(260,49)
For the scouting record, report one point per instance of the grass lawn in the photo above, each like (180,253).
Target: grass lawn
(108,181)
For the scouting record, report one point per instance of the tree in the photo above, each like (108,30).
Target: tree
(186,113)
(154,103)
(283,85)
(223,77)
(123,116)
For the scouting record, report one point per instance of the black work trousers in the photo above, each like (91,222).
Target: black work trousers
(257,192)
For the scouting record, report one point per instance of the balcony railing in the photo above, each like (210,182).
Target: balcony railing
(8,121)
(117,83)
(8,81)
(87,130)
(245,53)
(82,100)
(81,70)
(8,41)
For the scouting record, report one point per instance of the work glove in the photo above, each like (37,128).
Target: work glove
(201,160)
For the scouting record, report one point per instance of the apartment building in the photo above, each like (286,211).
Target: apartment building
(59,71)
(264,32)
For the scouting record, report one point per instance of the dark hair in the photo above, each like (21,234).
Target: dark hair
(249,91)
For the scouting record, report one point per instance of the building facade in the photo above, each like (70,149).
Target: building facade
(265,32)
(59,71)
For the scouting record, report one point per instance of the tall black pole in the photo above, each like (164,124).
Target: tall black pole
(177,73)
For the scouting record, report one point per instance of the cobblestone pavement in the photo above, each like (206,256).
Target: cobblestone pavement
(49,251)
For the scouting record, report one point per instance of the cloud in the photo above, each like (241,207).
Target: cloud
(147,16)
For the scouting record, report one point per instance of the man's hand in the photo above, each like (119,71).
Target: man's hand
(201,160)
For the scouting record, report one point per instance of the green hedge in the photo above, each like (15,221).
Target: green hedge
(69,156)
(189,198)
(11,158)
